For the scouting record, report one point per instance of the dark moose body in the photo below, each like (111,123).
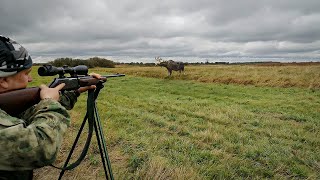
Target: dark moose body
(171,65)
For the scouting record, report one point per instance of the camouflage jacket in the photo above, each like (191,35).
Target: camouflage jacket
(33,138)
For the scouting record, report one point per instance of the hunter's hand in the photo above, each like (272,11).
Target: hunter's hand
(84,89)
(50,93)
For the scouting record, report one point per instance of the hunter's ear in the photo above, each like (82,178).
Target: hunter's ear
(4,83)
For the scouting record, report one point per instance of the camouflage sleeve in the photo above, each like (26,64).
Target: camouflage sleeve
(33,142)
(68,99)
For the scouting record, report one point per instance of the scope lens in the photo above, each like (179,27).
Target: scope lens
(46,70)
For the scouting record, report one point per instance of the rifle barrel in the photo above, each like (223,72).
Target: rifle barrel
(113,75)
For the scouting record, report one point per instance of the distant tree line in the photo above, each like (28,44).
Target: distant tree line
(185,63)
(262,63)
(102,62)
(90,63)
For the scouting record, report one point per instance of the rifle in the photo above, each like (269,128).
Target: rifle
(17,101)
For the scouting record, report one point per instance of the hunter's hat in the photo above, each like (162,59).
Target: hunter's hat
(13,57)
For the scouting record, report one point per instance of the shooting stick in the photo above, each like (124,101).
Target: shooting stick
(93,122)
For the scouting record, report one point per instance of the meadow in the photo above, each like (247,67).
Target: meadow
(213,122)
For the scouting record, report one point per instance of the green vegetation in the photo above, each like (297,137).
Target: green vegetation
(91,62)
(174,128)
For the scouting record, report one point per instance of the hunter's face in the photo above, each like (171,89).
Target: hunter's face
(19,80)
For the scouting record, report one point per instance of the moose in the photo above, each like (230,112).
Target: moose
(170,65)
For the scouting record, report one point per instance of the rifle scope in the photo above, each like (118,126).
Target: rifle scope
(49,70)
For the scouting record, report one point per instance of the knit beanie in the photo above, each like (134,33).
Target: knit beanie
(13,57)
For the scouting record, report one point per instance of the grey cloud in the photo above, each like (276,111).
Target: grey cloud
(145,28)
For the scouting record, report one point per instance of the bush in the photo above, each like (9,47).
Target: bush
(100,62)
(90,63)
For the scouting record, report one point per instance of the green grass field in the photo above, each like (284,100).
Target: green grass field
(179,128)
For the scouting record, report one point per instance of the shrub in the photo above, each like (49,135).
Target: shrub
(91,62)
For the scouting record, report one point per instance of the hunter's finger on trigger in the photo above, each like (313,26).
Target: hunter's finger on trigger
(60,86)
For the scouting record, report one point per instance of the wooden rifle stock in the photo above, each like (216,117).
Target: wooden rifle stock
(15,102)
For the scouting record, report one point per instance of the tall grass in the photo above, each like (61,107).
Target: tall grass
(272,76)
(172,128)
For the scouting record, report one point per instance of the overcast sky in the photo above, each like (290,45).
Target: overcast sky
(143,29)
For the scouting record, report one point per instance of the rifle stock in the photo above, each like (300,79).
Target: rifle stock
(17,101)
